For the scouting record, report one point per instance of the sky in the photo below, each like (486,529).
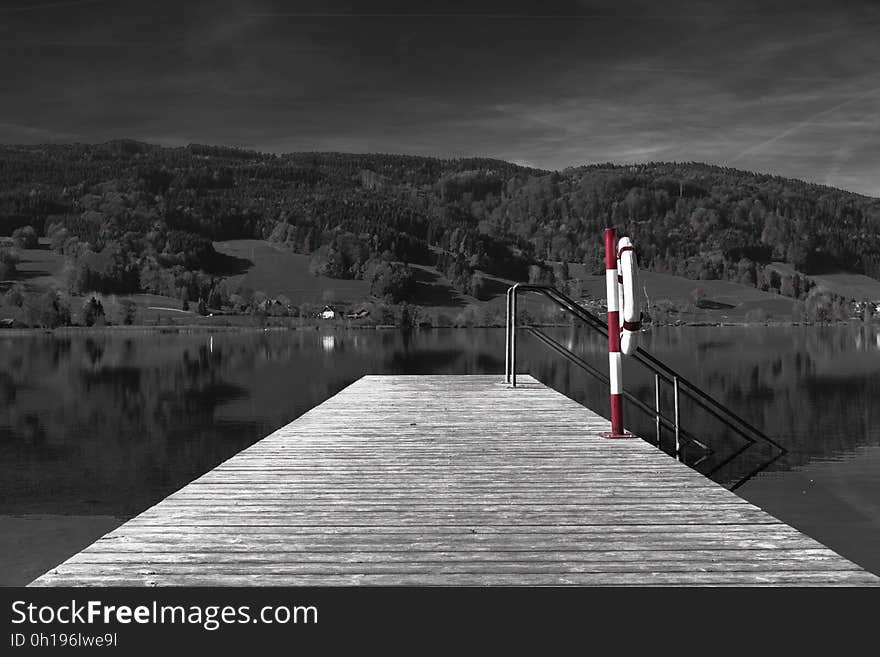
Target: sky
(777,86)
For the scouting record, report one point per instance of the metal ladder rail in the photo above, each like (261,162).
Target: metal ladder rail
(705,401)
(638,403)
(657,367)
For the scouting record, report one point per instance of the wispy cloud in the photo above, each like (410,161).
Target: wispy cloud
(804,123)
(786,87)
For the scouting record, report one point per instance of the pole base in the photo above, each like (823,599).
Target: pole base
(617,436)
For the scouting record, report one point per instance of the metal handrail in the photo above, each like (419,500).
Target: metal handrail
(661,371)
(661,419)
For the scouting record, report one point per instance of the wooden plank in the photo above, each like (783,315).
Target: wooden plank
(794,559)
(135,576)
(287,544)
(443,480)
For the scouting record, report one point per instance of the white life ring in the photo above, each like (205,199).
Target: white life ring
(627,284)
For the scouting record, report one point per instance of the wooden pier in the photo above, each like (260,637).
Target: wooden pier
(453,480)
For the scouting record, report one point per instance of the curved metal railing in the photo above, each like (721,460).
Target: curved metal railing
(661,372)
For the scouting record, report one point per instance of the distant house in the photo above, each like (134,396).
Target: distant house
(870,307)
(328,313)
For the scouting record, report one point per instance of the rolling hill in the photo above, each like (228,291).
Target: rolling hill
(129,218)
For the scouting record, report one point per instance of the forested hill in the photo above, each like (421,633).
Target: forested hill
(136,217)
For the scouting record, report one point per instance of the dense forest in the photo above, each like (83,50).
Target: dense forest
(132,217)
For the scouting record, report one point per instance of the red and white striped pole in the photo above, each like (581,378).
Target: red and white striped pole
(615,364)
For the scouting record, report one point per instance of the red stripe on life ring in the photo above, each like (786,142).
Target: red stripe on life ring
(631,326)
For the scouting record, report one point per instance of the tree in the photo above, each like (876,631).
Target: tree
(404,316)
(786,286)
(54,310)
(391,282)
(216,298)
(26,237)
(59,238)
(823,306)
(113,313)
(8,260)
(46,310)
(93,312)
(746,272)
(202,309)
(127,311)
(478,287)
(238,302)
(541,275)
(14,296)
(259,302)
(284,305)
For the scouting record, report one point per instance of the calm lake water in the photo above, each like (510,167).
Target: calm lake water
(94,428)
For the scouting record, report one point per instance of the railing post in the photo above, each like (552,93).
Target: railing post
(657,405)
(677,419)
(513,338)
(507,339)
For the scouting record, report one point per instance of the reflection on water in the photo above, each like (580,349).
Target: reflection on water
(105,425)
(110,423)
(814,389)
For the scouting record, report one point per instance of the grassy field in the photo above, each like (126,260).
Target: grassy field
(723,300)
(275,271)
(40,268)
(849,286)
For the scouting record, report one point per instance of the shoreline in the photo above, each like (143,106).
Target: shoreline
(216,328)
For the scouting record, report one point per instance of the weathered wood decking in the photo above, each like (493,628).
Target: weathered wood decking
(452,480)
